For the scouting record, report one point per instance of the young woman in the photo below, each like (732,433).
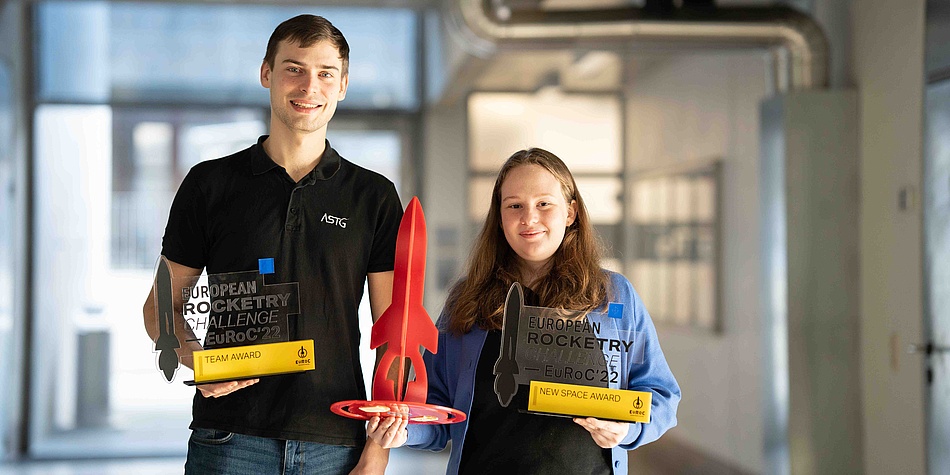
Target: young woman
(538,232)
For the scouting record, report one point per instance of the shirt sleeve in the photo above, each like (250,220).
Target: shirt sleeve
(652,374)
(185,241)
(382,255)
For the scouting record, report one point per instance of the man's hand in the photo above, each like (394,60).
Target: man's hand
(606,434)
(223,389)
(390,432)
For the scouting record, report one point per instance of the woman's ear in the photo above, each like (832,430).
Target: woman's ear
(571,213)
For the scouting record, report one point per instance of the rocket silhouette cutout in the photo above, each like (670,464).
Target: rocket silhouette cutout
(405,325)
(506,366)
(167,342)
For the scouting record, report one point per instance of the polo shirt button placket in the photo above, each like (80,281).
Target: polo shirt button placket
(293,220)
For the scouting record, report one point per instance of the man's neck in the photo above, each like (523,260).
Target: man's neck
(297,153)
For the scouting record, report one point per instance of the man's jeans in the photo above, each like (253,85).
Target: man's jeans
(215,452)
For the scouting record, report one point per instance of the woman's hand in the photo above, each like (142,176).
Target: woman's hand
(390,432)
(606,434)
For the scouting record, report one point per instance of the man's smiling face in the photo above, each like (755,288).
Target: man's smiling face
(305,85)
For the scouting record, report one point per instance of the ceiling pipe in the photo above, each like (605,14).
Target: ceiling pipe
(799,47)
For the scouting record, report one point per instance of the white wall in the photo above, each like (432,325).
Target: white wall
(691,108)
(889,67)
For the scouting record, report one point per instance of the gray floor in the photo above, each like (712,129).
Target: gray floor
(401,462)
(667,456)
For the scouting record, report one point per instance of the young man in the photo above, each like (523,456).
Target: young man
(273,200)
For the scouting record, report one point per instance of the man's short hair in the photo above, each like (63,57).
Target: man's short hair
(304,31)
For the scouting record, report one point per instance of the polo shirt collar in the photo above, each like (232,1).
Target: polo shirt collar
(329,164)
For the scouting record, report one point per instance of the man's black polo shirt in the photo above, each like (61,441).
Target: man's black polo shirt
(326,233)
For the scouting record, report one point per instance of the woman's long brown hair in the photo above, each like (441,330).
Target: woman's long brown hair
(574,281)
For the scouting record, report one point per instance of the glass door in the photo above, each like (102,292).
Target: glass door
(100,219)
(936,348)
(10,226)
(106,180)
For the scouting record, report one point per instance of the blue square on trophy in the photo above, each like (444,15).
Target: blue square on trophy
(615,310)
(265,266)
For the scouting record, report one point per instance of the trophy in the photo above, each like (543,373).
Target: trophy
(570,361)
(239,319)
(403,328)
(167,342)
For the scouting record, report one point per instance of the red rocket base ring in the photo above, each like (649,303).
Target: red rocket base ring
(419,413)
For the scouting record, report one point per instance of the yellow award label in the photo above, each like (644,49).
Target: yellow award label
(588,401)
(251,361)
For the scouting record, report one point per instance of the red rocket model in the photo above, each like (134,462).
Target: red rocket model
(405,325)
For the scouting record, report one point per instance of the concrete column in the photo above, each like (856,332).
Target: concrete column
(810,287)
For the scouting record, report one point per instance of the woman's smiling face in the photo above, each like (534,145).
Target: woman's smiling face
(534,216)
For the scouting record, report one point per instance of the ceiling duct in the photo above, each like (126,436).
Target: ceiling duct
(800,49)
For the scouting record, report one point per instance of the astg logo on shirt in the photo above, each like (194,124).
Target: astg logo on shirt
(330,219)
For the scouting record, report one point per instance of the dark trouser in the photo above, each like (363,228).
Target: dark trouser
(215,452)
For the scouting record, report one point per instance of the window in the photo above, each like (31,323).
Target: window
(95,51)
(583,130)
